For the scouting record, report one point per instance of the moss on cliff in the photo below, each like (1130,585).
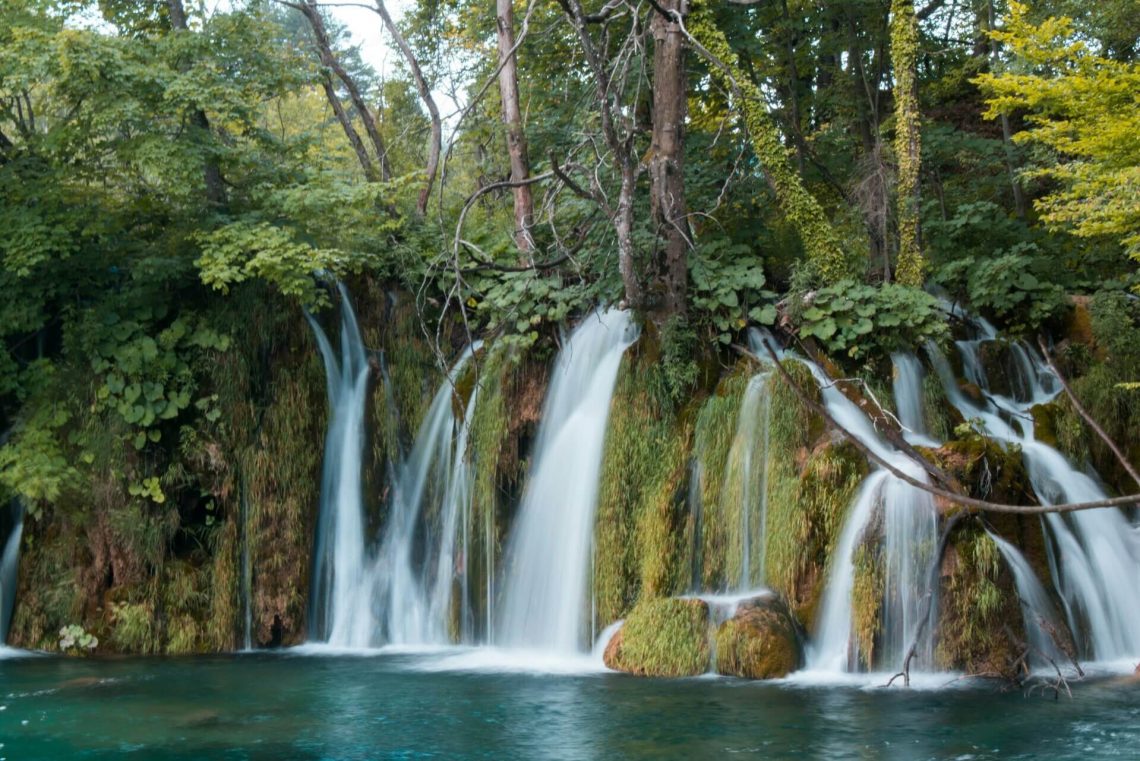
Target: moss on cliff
(642,524)
(712,439)
(666,637)
(978,607)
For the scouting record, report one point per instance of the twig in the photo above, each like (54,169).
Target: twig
(1088,418)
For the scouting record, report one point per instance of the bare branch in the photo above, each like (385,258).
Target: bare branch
(962,500)
(1088,418)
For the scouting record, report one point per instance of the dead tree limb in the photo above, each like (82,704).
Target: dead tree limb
(1084,413)
(962,500)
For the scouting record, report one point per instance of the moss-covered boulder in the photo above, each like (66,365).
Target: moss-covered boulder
(662,637)
(760,641)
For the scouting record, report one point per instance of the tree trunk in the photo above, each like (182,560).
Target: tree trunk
(349,131)
(324,49)
(624,160)
(512,118)
(432,168)
(666,165)
(904,54)
(1019,204)
(211,172)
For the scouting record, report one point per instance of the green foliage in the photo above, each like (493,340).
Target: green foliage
(1081,107)
(1009,287)
(858,320)
(727,288)
(796,202)
(74,640)
(666,637)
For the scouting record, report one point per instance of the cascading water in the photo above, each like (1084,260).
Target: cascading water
(906,382)
(412,581)
(1095,554)
(548,555)
(9,565)
(1041,624)
(402,595)
(909,536)
(746,476)
(336,615)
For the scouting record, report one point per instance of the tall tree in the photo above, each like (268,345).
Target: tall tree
(512,118)
(666,163)
(328,58)
(436,140)
(215,184)
(904,58)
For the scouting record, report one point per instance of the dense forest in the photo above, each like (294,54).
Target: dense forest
(189,192)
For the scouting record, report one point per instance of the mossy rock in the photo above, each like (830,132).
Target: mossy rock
(1045,422)
(985,469)
(666,637)
(760,641)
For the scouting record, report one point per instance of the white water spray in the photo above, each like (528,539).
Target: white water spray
(1095,554)
(548,556)
(9,566)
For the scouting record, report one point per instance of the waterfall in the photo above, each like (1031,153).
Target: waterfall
(9,565)
(413,580)
(549,551)
(1095,553)
(906,383)
(339,554)
(1036,609)
(746,476)
(402,593)
(910,531)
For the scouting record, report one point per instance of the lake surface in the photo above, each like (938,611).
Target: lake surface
(477,705)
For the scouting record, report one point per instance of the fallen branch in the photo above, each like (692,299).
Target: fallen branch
(1088,418)
(962,500)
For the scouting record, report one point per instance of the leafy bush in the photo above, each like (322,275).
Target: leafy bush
(726,288)
(75,640)
(1011,288)
(859,319)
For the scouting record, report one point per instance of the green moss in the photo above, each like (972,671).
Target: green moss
(811,482)
(759,642)
(978,607)
(941,416)
(867,594)
(712,440)
(488,443)
(282,482)
(666,637)
(641,519)
(134,629)
(222,622)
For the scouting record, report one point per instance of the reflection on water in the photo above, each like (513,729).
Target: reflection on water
(403,706)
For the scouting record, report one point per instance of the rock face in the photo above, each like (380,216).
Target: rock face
(760,641)
(663,637)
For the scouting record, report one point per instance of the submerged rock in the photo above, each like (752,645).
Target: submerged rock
(662,637)
(760,641)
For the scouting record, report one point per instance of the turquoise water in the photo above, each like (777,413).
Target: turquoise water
(288,706)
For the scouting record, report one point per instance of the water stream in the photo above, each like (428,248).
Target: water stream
(909,533)
(339,556)
(1095,554)
(9,565)
(544,600)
